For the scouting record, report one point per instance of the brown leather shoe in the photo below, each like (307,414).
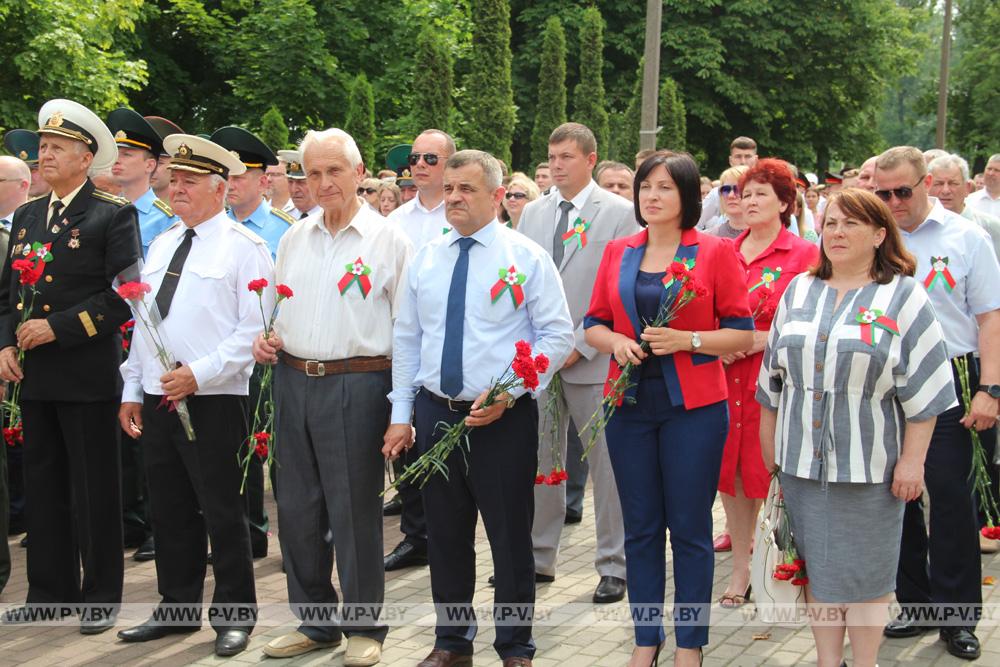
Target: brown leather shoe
(441,658)
(517,661)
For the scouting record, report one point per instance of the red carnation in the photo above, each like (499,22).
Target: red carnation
(257,285)
(800,582)
(564,475)
(530,377)
(134,290)
(539,479)
(541,363)
(553,479)
(284,292)
(679,271)
(261,439)
(781,575)
(991,532)
(523,348)
(30,271)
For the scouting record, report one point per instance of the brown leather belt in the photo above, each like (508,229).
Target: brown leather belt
(317,369)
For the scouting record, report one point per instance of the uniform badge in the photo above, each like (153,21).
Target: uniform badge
(74,241)
(184,151)
(56,119)
(26,250)
(21,234)
(55,229)
(23,155)
(120,135)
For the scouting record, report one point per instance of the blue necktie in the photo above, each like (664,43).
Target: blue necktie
(454,324)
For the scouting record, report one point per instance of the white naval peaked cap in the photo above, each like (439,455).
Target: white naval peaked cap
(201,156)
(66,118)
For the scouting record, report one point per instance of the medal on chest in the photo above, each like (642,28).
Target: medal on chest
(357,273)
(74,239)
(939,275)
(510,283)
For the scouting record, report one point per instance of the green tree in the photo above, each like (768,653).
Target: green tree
(588,99)
(432,81)
(673,118)
(489,96)
(360,122)
(975,96)
(66,48)
(550,111)
(626,126)
(273,130)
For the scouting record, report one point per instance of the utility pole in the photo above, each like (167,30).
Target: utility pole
(942,108)
(651,75)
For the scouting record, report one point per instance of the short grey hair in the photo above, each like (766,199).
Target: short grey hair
(333,135)
(216,179)
(950,162)
(994,158)
(491,168)
(932,154)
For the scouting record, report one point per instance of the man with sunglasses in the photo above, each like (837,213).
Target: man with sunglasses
(423,220)
(956,263)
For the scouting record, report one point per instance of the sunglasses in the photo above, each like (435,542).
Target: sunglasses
(430,158)
(516,195)
(371,191)
(726,190)
(902,193)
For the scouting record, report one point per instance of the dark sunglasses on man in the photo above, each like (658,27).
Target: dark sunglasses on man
(902,193)
(430,158)
(516,195)
(363,191)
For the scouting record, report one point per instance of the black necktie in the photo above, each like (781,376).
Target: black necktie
(57,207)
(558,247)
(304,214)
(169,285)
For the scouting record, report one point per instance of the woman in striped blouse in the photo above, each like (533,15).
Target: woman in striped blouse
(853,377)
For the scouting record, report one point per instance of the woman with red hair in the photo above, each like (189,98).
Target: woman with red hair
(770,256)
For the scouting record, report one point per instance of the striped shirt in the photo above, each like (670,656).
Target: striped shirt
(841,401)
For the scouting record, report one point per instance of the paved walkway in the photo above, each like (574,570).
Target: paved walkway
(566,646)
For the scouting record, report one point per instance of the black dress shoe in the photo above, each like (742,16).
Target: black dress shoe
(572,517)
(609,589)
(961,643)
(539,579)
(405,555)
(146,551)
(24,542)
(903,627)
(95,622)
(393,507)
(151,630)
(259,552)
(231,642)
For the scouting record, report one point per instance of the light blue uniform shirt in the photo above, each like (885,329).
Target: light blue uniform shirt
(153,218)
(268,223)
(491,327)
(967,257)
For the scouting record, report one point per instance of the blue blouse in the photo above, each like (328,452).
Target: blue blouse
(648,287)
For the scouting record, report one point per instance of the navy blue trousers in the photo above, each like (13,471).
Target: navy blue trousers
(499,483)
(666,461)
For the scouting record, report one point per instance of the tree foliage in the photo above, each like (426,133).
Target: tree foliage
(360,122)
(625,126)
(273,130)
(589,106)
(489,96)
(975,95)
(672,117)
(551,89)
(433,81)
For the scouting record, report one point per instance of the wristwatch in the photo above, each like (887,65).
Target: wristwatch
(992,389)
(695,341)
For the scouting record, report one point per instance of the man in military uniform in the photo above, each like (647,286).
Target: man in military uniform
(302,202)
(277,186)
(248,207)
(23,144)
(69,372)
(160,179)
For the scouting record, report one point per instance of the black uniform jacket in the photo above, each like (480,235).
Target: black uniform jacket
(98,241)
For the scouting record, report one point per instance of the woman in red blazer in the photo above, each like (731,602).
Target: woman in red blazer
(666,439)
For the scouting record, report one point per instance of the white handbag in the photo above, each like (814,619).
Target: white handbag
(778,602)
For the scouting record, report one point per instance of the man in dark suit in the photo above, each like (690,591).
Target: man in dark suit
(69,370)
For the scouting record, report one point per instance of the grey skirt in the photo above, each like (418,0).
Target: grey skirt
(848,534)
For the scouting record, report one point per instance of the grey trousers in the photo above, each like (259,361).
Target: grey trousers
(579,402)
(330,470)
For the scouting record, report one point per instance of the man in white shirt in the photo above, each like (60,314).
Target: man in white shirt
(15,179)
(987,200)
(455,334)
(277,185)
(423,219)
(334,343)
(951,185)
(198,271)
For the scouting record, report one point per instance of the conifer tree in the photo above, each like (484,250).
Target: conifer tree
(550,112)
(588,98)
(360,122)
(489,93)
(432,81)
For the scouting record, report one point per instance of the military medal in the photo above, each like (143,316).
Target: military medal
(74,241)
(26,251)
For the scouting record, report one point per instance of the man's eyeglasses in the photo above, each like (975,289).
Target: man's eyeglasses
(726,190)
(371,191)
(516,195)
(902,193)
(430,158)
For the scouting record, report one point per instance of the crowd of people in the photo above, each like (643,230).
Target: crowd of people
(823,335)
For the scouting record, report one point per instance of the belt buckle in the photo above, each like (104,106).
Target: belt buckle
(319,366)
(450,401)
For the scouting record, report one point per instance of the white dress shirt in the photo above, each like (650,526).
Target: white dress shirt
(982,201)
(578,202)
(213,317)
(66,201)
(491,329)
(321,323)
(420,224)
(973,266)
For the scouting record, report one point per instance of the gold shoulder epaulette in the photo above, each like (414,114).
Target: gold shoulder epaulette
(163,206)
(247,233)
(284,216)
(107,196)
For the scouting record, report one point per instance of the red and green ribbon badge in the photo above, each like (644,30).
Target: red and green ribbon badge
(767,278)
(578,233)
(510,281)
(868,319)
(357,272)
(939,273)
(668,279)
